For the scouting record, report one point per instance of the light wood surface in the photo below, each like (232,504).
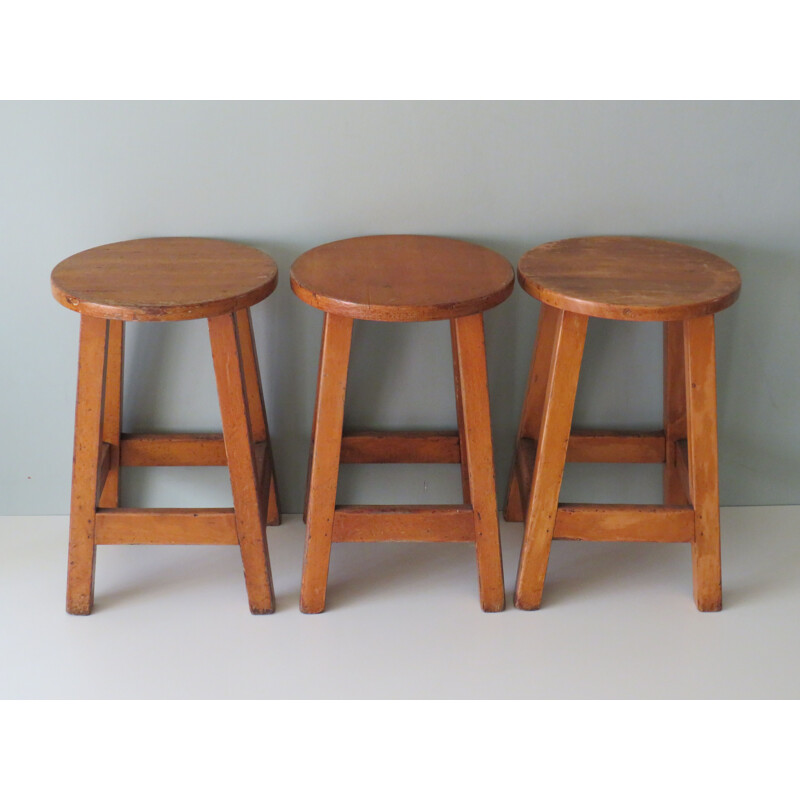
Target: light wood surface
(164,279)
(324,468)
(701,398)
(249,509)
(476,432)
(629,278)
(159,279)
(86,453)
(402,278)
(551,454)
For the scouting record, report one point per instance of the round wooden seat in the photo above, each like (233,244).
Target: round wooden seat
(630,278)
(164,279)
(402,278)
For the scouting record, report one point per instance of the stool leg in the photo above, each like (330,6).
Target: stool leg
(531,416)
(324,472)
(255,404)
(674,411)
(477,436)
(701,393)
(112,410)
(551,454)
(314,421)
(88,430)
(236,430)
(462,442)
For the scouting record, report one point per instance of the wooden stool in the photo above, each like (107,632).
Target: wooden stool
(402,279)
(624,278)
(154,280)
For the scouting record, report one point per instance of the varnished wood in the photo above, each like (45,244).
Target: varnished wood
(612,447)
(334,360)
(173,450)
(86,453)
(462,445)
(531,417)
(103,469)
(629,278)
(257,409)
(674,412)
(166,526)
(682,470)
(551,454)
(314,419)
(624,523)
(448,523)
(701,401)
(402,278)
(239,447)
(112,412)
(477,433)
(164,279)
(400,447)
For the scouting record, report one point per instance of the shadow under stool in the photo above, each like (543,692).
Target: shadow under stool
(154,280)
(636,279)
(402,279)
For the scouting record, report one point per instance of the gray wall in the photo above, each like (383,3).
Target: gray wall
(287,176)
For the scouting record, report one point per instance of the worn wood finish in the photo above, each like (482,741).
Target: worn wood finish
(112,412)
(674,412)
(257,409)
(462,446)
(400,447)
(480,459)
(314,419)
(164,279)
(701,399)
(166,526)
(239,446)
(402,278)
(682,468)
(624,523)
(629,278)
(327,446)
(444,523)
(173,450)
(551,456)
(86,454)
(531,417)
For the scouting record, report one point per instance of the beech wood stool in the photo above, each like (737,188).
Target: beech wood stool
(153,280)
(402,279)
(622,278)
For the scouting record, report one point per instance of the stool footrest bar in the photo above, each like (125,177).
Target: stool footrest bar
(173,450)
(166,526)
(624,523)
(429,523)
(400,447)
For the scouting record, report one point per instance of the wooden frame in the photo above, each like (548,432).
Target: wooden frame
(101,449)
(687,447)
(475,520)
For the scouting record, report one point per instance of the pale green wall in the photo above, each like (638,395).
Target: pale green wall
(287,176)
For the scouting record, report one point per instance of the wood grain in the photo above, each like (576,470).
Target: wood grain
(86,455)
(443,523)
(701,398)
(624,523)
(166,526)
(112,412)
(402,278)
(629,278)
(240,450)
(164,279)
(551,456)
(477,434)
(400,447)
(531,416)
(674,412)
(324,473)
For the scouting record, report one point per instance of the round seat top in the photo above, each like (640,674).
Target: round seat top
(628,277)
(402,278)
(164,279)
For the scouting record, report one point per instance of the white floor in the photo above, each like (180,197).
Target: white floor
(403,621)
